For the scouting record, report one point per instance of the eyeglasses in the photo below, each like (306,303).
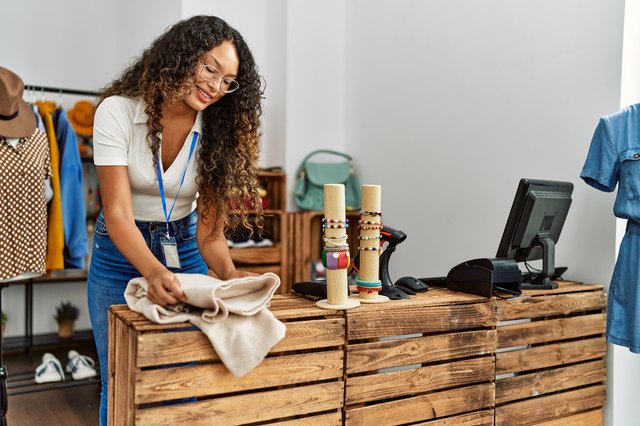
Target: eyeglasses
(209,73)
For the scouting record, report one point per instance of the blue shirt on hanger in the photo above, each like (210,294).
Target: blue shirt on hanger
(74,215)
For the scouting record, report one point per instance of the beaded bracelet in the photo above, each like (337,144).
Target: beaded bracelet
(369,248)
(335,226)
(369,222)
(375,237)
(366,213)
(370,228)
(325,220)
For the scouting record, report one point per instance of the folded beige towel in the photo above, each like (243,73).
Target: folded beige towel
(233,314)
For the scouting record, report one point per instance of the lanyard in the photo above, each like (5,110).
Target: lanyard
(161,185)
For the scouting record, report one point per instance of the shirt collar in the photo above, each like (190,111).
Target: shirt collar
(141,117)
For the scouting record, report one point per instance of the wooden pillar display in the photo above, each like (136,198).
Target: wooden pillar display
(369,283)
(335,219)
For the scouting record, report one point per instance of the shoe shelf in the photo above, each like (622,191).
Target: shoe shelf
(22,383)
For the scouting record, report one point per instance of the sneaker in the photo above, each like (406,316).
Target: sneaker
(243,244)
(264,243)
(80,366)
(50,370)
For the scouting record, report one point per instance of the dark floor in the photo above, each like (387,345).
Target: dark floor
(64,403)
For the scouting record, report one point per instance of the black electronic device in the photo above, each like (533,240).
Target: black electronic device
(392,237)
(485,276)
(533,227)
(411,283)
(434,281)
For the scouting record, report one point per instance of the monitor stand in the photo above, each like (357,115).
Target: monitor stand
(548,266)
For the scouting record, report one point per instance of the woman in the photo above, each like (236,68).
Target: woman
(175,144)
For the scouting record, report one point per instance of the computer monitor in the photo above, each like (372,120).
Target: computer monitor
(537,215)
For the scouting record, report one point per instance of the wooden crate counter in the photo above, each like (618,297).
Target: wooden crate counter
(550,365)
(299,382)
(447,364)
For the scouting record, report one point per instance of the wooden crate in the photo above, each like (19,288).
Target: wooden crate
(550,364)
(299,382)
(428,359)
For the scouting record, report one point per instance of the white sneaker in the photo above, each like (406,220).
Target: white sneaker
(264,243)
(80,366)
(50,370)
(244,244)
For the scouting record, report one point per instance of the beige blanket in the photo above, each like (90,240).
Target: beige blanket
(233,314)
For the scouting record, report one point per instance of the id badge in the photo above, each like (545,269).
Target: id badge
(170,251)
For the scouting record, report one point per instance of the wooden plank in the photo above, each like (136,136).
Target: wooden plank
(535,410)
(419,380)
(157,348)
(256,255)
(333,419)
(564,287)
(478,418)
(164,384)
(434,297)
(543,382)
(248,408)
(394,353)
(561,304)
(590,418)
(550,330)
(394,321)
(124,379)
(111,365)
(424,407)
(550,355)
(262,269)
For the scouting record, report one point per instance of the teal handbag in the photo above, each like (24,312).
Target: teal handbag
(312,176)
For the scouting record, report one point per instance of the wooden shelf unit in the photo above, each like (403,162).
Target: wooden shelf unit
(274,258)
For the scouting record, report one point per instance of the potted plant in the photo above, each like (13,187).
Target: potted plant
(66,316)
(3,320)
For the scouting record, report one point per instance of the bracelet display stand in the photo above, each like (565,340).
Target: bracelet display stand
(337,284)
(369,283)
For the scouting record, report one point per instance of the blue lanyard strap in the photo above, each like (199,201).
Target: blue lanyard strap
(161,185)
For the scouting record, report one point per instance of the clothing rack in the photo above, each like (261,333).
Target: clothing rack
(60,90)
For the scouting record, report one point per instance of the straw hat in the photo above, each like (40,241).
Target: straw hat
(81,117)
(16,117)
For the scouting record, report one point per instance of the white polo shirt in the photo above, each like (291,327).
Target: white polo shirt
(120,139)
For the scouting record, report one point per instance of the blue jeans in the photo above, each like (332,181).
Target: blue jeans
(110,272)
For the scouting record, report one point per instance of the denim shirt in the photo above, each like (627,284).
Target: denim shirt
(614,158)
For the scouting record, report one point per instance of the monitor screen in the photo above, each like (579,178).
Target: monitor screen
(534,224)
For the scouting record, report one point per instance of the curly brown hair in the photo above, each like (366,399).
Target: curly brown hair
(228,154)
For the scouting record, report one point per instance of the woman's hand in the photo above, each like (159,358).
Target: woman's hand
(164,288)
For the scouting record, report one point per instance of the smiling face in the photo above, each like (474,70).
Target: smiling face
(223,58)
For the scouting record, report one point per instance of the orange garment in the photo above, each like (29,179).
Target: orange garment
(55,231)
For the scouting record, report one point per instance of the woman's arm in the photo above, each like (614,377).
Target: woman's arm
(215,251)
(115,191)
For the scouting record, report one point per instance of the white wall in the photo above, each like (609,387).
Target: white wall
(450,103)
(262,25)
